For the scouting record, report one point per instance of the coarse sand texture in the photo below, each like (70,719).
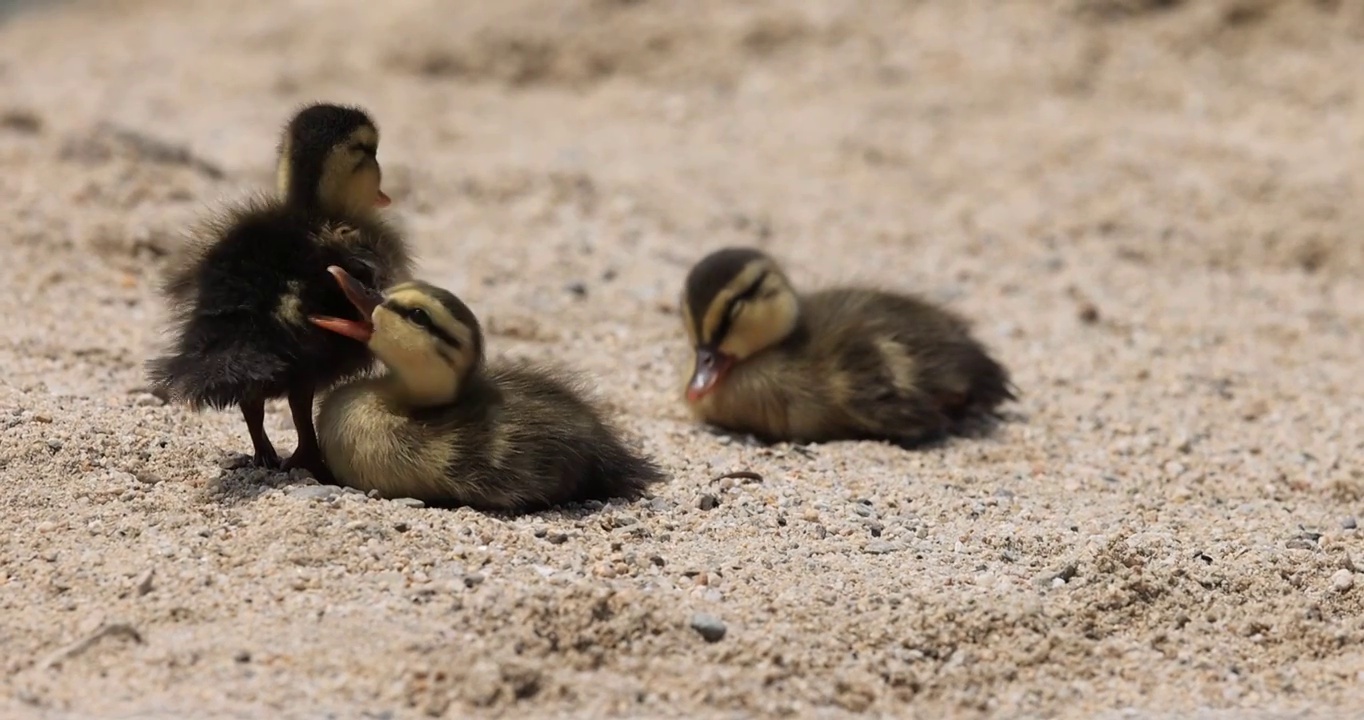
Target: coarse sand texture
(1150,212)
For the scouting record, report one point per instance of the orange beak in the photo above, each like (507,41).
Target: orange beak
(364,300)
(711,367)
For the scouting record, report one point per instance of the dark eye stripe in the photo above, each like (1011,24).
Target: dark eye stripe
(419,317)
(722,329)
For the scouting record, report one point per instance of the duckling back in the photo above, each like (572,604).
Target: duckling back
(241,299)
(518,439)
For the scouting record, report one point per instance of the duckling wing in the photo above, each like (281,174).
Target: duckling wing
(373,251)
(913,368)
(556,443)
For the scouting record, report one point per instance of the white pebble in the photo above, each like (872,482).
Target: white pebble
(1343,580)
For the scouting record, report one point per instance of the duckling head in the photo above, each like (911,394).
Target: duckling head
(429,339)
(328,160)
(737,303)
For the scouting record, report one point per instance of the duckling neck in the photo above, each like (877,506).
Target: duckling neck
(412,389)
(303,187)
(311,200)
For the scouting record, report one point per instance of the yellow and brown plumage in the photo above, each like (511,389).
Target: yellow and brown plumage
(836,364)
(241,298)
(442,427)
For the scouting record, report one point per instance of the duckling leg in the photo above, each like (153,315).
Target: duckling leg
(253,410)
(308,456)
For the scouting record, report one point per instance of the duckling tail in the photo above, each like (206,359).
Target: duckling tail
(217,375)
(620,472)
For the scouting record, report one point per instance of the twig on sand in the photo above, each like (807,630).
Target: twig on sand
(76,648)
(740,475)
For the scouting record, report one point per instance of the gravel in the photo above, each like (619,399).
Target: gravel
(710,628)
(1189,173)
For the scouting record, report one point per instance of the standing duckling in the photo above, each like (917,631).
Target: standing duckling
(242,298)
(838,364)
(442,428)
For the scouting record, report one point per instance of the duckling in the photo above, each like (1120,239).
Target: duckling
(441,427)
(838,364)
(241,297)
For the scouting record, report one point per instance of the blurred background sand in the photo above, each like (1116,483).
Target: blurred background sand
(1150,209)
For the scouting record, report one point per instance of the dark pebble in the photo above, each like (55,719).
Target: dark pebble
(709,627)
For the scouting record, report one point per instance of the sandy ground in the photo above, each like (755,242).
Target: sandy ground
(1150,209)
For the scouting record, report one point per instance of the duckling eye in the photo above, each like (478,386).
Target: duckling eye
(419,316)
(735,307)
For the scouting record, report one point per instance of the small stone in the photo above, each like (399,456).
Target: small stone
(242,656)
(710,628)
(144,582)
(148,400)
(473,580)
(54,444)
(410,502)
(45,526)
(577,288)
(1298,543)
(1349,523)
(314,492)
(863,510)
(708,502)
(557,538)
(880,547)
(1342,580)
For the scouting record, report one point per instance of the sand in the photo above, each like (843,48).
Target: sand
(1149,209)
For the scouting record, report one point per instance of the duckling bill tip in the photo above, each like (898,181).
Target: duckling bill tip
(711,367)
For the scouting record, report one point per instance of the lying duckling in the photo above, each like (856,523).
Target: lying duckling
(838,364)
(242,298)
(441,428)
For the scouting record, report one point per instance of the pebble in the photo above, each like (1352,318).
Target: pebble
(1349,522)
(708,502)
(880,547)
(410,502)
(709,627)
(144,582)
(1342,580)
(314,492)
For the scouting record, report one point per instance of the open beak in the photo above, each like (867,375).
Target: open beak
(711,366)
(364,300)
(383,200)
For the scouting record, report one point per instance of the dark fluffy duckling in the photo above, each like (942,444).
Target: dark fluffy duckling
(838,364)
(242,298)
(443,428)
